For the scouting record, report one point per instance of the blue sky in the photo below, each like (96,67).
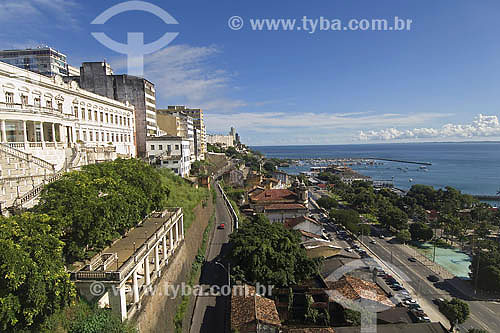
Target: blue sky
(437,82)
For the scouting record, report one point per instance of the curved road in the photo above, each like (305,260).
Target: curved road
(211,313)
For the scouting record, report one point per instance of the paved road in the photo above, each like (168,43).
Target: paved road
(211,313)
(484,315)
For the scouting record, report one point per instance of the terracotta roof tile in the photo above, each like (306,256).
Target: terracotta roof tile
(287,206)
(282,195)
(290,223)
(250,307)
(356,289)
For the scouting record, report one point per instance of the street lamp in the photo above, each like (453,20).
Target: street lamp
(228,270)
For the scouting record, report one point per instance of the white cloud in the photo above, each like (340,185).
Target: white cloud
(184,74)
(282,121)
(483,126)
(38,12)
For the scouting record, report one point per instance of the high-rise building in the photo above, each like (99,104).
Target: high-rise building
(98,78)
(197,115)
(42,60)
(179,124)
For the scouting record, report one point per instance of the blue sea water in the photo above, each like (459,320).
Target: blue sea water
(473,168)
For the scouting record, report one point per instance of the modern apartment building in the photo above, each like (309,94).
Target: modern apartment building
(197,115)
(180,124)
(171,152)
(98,78)
(48,126)
(42,60)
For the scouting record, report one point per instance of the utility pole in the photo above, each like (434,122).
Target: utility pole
(434,256)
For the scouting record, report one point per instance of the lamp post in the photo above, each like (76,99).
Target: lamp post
(228,270)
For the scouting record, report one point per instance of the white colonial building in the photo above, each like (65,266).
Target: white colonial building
(48,126)
(171,152)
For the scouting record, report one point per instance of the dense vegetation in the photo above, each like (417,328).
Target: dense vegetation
(82,317)
(268,253)
(94,206)
(33,281)
(77,216)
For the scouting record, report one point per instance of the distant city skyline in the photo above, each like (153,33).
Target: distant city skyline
(437,81)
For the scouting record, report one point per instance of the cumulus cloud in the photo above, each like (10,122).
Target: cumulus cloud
(483,126)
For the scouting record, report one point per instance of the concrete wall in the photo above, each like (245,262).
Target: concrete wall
(158,311)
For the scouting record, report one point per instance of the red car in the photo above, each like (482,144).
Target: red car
(221,226)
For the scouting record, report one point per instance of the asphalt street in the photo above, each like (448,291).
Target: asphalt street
(484,315)
(211,313)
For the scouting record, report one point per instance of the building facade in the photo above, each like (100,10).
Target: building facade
(199,124)
(170,152)
(43,60)
(221,140)
(98,78)
(178,123)
(48,126)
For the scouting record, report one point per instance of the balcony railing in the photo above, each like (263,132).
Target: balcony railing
(29,108)
(12,149)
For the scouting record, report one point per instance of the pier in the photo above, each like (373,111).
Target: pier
(401,161)
(486,197)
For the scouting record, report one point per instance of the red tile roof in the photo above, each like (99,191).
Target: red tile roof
(287,206)
(309,234)
(275,195)
(290,223)
(356,289)
(246,309)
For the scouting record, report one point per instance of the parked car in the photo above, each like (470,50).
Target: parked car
(424,319)
(433,278)
(412,259)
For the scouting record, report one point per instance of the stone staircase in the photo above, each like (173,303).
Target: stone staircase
(21,176)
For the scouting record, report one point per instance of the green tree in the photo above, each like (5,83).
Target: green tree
(33,281)
(327,202)
(404,236)
(395,218)
(94,206)
(268,253)
(345,216)
(421,232)
(455,310)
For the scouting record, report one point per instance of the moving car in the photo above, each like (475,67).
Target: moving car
(373,241)
(412,259)
(221,226)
